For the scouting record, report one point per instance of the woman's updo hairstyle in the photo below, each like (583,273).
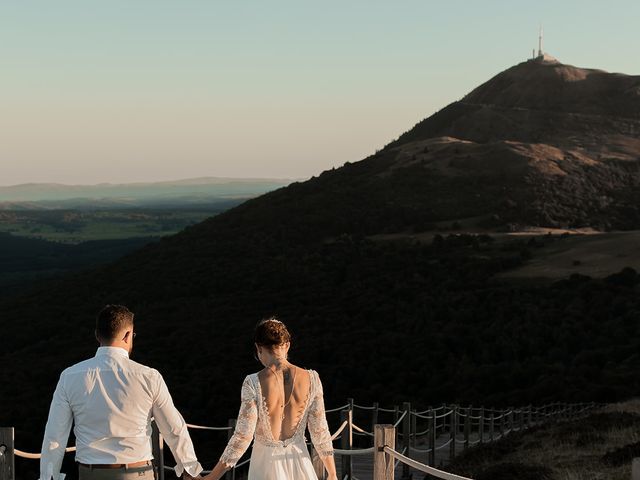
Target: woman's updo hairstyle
(271,333)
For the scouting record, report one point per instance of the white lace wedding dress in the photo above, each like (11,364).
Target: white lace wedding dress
(278,459)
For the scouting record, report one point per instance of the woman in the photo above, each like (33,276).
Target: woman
(278,403)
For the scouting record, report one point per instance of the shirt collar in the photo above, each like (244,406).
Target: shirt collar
(112,351)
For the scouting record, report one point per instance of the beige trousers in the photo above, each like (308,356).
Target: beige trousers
(138,473)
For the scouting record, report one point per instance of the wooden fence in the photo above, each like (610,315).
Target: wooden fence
(416,440)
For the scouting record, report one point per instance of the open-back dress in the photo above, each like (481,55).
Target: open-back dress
(278,459)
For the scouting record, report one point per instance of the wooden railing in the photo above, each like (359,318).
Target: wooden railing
(424,439)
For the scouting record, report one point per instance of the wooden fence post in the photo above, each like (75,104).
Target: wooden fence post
(7,460)
(374,415)
(414,428)
(347,442)
(231,474)
(491,426)
(384,435)
(481,426)
(406,436)
(502,415)
(454,433)
(432,438)
(157,444)
(467,427)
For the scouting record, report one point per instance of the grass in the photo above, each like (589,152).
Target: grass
(598,447)
(77,227)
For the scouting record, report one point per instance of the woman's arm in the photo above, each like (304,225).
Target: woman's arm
(319,430)
(218,471)
(243,434)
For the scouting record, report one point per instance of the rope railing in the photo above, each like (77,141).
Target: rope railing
(337,409)
(421,466)
(201,427)
(466,426)
(404,414)
(357,451)
(36,456)
(372,407)
(340,429)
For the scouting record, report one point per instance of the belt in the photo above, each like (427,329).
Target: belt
(144,463)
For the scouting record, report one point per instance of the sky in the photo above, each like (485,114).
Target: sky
(149,90)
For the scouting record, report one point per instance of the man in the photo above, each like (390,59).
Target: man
(111,400)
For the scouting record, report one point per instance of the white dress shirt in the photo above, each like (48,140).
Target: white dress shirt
(110,399)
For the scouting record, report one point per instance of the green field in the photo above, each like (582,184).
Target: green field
(72,226)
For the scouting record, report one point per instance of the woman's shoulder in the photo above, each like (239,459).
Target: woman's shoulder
(251,380)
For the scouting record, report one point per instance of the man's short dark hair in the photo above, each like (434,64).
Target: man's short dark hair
(111,320)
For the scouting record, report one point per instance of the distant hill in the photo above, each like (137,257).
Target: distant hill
(189,192)
(383,320)
(601,445)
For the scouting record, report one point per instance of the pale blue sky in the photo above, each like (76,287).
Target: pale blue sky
(143,90)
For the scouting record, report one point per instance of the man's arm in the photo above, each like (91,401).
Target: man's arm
(56,434)
(174,431)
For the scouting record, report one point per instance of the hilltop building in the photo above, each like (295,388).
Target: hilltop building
(542,57)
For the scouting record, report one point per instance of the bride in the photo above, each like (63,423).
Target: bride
(277,404)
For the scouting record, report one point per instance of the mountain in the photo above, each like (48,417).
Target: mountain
(186,192)
(382,318)
(561,144)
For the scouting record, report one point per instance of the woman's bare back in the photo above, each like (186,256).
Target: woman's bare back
(295,396)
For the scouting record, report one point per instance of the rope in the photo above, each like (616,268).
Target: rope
(200,427)
(395,465)
(337,409)
(420,415)
(339,431)
(446,444)
(362,451)
(420,450)
(36,456)
(360,431)
(361,407)
(389,410)
(355,427)
(444,414)
(422,467)
(400,419)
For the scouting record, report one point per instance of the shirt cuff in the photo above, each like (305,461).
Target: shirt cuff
(192,468)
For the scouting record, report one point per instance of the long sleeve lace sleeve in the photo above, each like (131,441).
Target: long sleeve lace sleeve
(245,426)
(317,422)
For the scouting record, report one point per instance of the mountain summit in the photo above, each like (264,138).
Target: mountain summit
(544,143)
(540,144)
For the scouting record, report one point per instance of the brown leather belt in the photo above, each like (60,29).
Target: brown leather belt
(117,465)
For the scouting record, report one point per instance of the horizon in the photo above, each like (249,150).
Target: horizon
(175,180)
(119,93)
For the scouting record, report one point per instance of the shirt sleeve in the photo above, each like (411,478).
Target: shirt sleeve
(245,426)
(56,434)
(317,421)
(174,431)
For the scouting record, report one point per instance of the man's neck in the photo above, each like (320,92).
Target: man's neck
(115,345)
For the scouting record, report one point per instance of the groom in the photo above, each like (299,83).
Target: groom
(111,400)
